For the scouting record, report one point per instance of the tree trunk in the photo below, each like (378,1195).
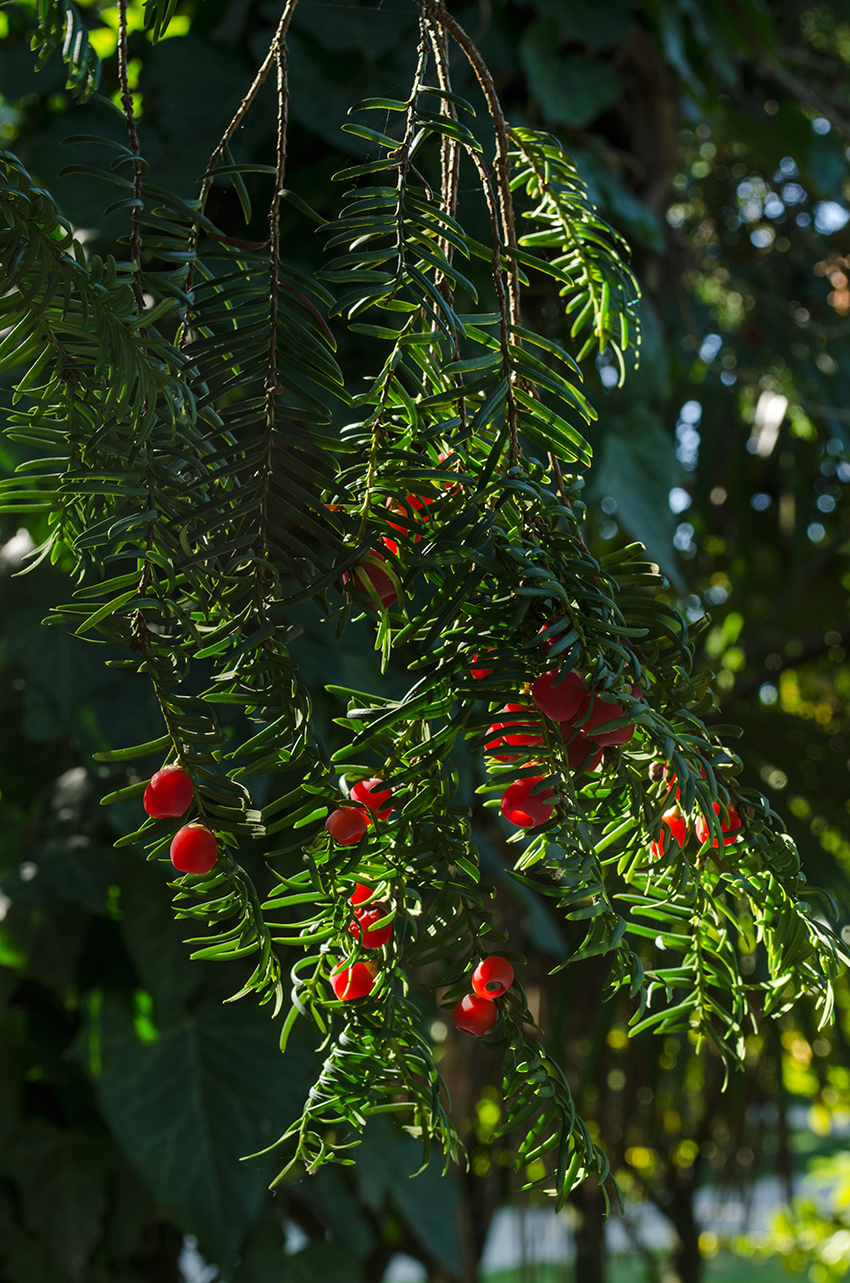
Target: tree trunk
(687,1260)
(591,1255)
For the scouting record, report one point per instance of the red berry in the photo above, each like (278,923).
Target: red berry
(520,728)
(548,642)
(194,849)
(669,779)
(731,827)
(475,1015)
(492,977)
(360,894)
(363,929)
(346,825)
(355,981)
(525,808)
(480,672)
(582,753)
(416,502)
(674,822)
(373,583)
(168,793)
(453,460)
(558,698)
(374,799)
(602,711)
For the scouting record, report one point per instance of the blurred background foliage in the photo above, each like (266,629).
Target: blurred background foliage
(715,138)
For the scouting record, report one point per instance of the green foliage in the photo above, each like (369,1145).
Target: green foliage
(175,1097)
(811,1240)
(60,26)
(212,474)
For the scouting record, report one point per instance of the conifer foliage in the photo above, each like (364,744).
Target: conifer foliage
(208,465)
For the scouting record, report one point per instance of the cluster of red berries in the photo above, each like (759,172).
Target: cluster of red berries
(347,824)
(168,795)
(358,980)
(583,716)
(477,1013)
(674,823)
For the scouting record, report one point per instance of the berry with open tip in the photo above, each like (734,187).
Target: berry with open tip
(363,928)
(730,828)
(474,1015)
(373,795)
(492,977)
(194,849)
(525,808)
(169,793)
(675,824)
(356,981)
(559,698)
(346,825)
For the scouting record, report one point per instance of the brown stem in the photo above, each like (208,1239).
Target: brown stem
(504,307)
(239,115)
(500,161)
(449,179)
(449,150)
(129,116)
(245,105)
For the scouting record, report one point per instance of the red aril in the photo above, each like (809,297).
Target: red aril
(557,697)
(518,729)
(673,821)
(168,793)
(474,1015)
(730,827)
(346,825)
(454,463)
(371,794)
(194,849)
(479,672)
(582,753)
(524,807)
(546,643)
(371,582)
(492,977)
(668,778)
(417,503)
(363,929)
(602,711)
(355,981)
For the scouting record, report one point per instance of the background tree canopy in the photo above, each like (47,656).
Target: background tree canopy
(714,140)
